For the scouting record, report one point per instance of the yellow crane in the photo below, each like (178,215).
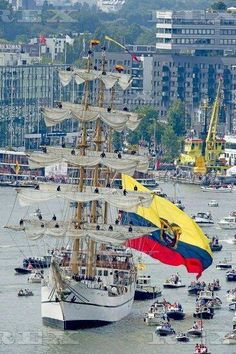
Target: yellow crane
(203,154)
(212,147)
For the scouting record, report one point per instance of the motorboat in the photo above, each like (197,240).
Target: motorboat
(203,219)
(164,329)
(228,222)
(145,290)
(195,287)
(215,245)
(196,330)
(174,282)
(179,204)
(232,306)
(155,314)
(25,292)
(201,349)
(224,265)
(213,203)
(231,275)
(207,298)
(175,312)
(231,295)
(182,337)
(22,270)
(203,312)
(37,262)
(217,189)
(36,277)
(230,338)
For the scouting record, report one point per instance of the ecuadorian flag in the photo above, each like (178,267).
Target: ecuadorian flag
(178,240)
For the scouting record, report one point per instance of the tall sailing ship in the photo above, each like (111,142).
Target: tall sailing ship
(92,276)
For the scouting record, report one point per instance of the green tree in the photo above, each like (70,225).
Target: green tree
(44,12)
(176,117)
(219,6)
(171,144)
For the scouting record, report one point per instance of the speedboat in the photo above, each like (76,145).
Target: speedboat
(215,245)
(228,222)
(145,290)
(223,265)
(182,337)
(217,189)
(155,314)
(230,338)
(36,277)
(231,295)
(232,306)
(203,312)
(22,270)
(179,204)
(195,288)
(203,219)
(231,275)
(25,292)
(164,329)
(174,282)
(175,312)
(196,330)
(213,203)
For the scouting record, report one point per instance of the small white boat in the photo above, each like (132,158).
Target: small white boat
(164,329)
(36,277)
(218,189)
(203,219)
(231,295)
(175,312)
(230,338)
(213,203)
(196,330)
(232,306)
(182,337)
(224,265)
(174,282)
(154,316)
(228,222)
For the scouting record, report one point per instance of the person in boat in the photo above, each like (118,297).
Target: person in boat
(56,226)
(37,187)
(119,155)
(40,216)
(117,221)
(130,228)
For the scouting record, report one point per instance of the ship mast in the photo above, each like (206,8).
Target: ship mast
(77,245)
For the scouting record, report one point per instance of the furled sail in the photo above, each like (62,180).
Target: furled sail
(128,164)
(83,75)
(117,120)
(127,203)
(119,234)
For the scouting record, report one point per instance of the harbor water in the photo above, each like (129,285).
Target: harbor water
(21,329)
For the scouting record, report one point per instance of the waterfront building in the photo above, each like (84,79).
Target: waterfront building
(110,5)
(24,90)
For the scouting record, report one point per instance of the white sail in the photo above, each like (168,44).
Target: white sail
(128,203)
(82,75)
(127,164)
(119,234)
(117,120)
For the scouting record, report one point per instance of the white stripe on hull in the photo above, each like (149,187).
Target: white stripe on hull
(91,305)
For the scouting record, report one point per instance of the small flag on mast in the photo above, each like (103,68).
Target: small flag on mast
(42,40)
(134,57)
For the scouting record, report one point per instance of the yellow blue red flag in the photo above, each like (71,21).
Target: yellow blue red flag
(178,240)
